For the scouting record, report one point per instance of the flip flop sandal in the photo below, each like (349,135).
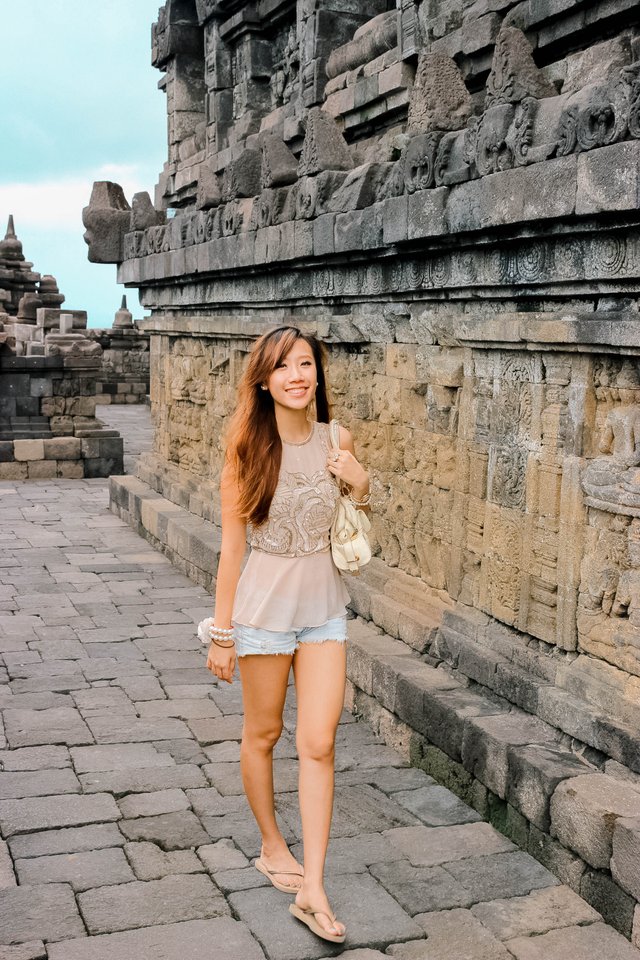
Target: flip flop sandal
(271,874)
(308,916)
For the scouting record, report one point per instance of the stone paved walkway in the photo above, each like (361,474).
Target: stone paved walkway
(125,832)
(134,423)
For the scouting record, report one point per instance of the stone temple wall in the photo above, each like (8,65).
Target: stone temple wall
(447,193)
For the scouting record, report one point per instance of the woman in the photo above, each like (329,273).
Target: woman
(281,479)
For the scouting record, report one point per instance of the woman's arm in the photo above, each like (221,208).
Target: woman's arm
(349,470)
(221,660)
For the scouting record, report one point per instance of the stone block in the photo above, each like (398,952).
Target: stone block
(62,448)
(149,862)
(609,179)
(451,934)
(605,896)
(584,811)
(82,871)
(534,774)
(42,469)
(13,471)
(323,235)
(175,941)
(507,875)
(41,813)
(70,469)
(436,806)
(69,840)
(485,747)
(170,831)
(32,950)
(370,914)
(57,725)
(426,213)
(6,451)
(538,192)
(45,912)
(395,218)
(152,804)
(28,449)
(170,900)
(37,783)
(420,889)
(433,846)
(579,943)
(625,862)
(538,912)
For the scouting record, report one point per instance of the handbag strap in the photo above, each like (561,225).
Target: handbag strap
(334,434)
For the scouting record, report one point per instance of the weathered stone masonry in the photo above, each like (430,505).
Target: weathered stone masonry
(448,195)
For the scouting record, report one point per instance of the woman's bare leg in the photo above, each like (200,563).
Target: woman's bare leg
(320,672)
(264,688)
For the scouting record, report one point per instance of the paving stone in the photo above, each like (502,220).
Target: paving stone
(226,752)
(119,782)
(45,912)
(421,889)
(37,783)
(141,688)
(502,875)
(436,806)
(123,757)
(356,809)
(355,854)
(230,881)
(82,870)
(33,950)
(151,804)
(149,862)
(42,813)
(103,700)
(539,912)
(578,943)
(226,777)
(366,909)
(173,941)
(33,727)
(7,875)
(361,954)
(431,846)
(451,935)
(223,855)
(107,668)
(182,751)
(216,730)
(142,904)
(171,831)
(33,701)
(188,691)
(183,709)
(62,683)
(209,803)
(125,730)
(396,779)
(70,840)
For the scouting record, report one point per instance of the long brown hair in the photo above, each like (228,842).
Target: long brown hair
(254,448)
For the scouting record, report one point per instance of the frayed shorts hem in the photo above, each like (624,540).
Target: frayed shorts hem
(255,640)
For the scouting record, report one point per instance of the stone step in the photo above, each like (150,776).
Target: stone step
(521,772)
(573,715)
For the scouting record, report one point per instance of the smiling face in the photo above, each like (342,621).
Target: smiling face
(293,382)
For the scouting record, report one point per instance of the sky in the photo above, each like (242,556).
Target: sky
(80,103)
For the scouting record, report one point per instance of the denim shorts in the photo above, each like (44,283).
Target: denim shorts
(252,640)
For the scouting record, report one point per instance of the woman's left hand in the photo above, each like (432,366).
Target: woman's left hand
(343,464)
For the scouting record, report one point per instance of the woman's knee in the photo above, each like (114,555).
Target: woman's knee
(318,746)
(261,737)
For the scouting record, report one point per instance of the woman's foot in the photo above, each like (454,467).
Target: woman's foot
(282,868)
(316,902)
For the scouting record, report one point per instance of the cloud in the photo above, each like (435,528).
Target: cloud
(57,204)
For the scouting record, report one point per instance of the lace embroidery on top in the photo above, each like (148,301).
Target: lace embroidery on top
(302,508)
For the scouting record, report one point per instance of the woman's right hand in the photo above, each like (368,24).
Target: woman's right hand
(222,661)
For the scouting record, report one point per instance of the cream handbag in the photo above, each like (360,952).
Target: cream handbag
(350,547)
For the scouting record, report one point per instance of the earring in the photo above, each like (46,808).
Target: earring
(262,387)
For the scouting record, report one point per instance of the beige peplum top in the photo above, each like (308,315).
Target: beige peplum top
(290,580)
